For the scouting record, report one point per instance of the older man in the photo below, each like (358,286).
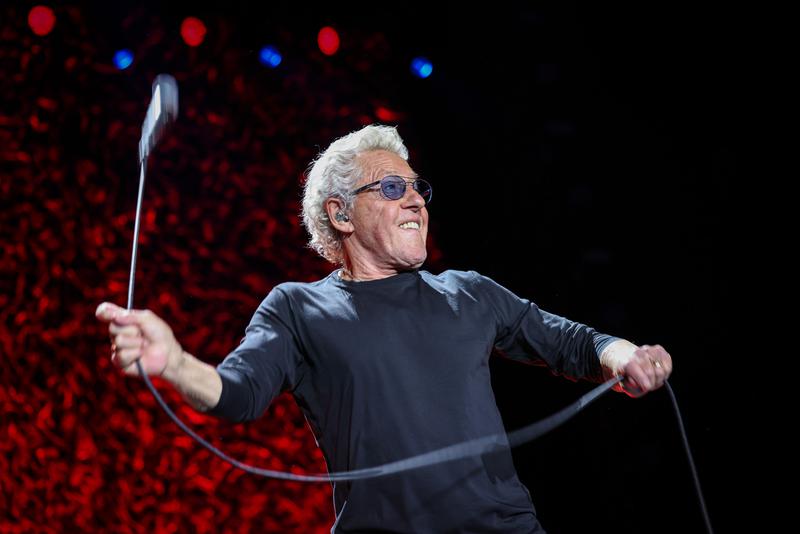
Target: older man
(386,360)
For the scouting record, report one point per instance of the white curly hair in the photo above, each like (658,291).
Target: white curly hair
(335,173)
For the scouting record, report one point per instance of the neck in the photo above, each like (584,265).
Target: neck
(355,272)
(347,274)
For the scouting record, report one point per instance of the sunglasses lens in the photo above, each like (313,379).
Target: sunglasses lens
(424,189)
(393,187)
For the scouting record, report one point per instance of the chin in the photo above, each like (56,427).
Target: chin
(410,257)
(417,261)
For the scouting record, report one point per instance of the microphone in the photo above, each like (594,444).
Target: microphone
(163,110)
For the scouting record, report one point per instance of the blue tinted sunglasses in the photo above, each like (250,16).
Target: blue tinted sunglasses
(394,188)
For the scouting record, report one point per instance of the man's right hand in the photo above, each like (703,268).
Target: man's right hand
(141,335)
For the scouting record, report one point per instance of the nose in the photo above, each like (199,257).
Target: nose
(412,198)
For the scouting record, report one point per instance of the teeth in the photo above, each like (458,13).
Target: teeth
(413,225)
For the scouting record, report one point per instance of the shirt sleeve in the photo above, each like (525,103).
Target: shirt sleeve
(529,334)
(266,362)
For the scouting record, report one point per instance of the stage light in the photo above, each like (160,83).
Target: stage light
(123,59)
(193,31)
(328,41)
(270,56)
(421,67)
(41,19)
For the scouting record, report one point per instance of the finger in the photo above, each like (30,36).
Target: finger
(146,320)
(131,370)
(635,378)
(652,373)
(128,342)
(124,357)
(662,373)
(107,311)
(665,359)
(660,377)
(643,374)
(655,365)
(127,330)
(662,365)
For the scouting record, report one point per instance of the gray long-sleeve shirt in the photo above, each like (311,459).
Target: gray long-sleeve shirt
(390,368)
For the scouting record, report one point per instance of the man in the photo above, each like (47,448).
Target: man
(387,361)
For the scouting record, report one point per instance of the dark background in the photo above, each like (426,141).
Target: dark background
(586,157)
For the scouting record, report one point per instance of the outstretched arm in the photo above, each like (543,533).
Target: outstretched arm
(142,335)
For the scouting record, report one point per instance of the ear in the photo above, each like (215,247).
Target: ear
(334,206)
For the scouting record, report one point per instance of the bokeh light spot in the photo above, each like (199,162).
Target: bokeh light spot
(123,59)
(41,19)
(421,67)
(328,41)
(270,56)
(193,31)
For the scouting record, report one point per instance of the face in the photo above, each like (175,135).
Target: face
(378,241)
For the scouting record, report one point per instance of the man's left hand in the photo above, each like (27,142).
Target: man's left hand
(649,368)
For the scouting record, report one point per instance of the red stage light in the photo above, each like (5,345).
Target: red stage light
(193,31)
(41,19)
(328,41)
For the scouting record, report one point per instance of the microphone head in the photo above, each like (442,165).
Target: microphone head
(169,95)
(163,110)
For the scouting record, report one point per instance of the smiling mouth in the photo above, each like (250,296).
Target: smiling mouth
(410,226)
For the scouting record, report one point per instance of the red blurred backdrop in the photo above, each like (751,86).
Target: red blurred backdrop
(83,447)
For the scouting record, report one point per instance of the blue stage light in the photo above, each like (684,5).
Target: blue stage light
(421,67)
(270,56)
(123,59)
